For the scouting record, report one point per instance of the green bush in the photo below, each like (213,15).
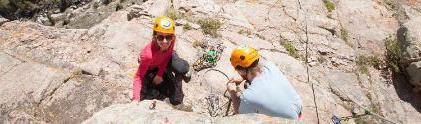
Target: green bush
(393,53)
(364,62)
(210,26)
(197,44)
(344,34)
(330,6)
(290,49)
(76,72)
(24,5)
(390,4)
(187,27)
(242,31)
(173,14)
(369,60)
(95,5)
(56,1)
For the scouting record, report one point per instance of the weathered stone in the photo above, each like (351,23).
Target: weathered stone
(103,60)
(346,86)
(197,6)
(414,72)
(136,11)
(163,113)
(58,17)
(3,20)
(7,62)
(159,7)
(180,22)
(80,96)
(360,19)
(289,65)
(410,35)
(411,38)
(411,9)
(29,82)
(236,17)
(22,117)
(239,40)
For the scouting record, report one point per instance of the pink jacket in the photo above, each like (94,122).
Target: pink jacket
(151,57)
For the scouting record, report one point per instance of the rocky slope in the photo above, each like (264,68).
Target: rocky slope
(164,113)
(58,75)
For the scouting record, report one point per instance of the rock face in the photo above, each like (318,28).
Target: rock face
(164,113)
(13,9)
(411,38)
(59,75)
(3,20)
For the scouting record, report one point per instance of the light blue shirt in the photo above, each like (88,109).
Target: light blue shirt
(271,93)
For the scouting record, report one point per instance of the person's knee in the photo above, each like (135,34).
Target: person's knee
(179,65)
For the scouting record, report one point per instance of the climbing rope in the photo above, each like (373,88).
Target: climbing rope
(335,119)
(204,60)
(366,112)
(307,66)
(213,100)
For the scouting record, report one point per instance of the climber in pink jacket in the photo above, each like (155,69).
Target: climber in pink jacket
(161,71)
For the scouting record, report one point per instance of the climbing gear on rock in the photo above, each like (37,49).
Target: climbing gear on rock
(211,56)
(212,48)
(213,102)
(208,60)
(213,99)
(243,56)
(164,24)
(337,119)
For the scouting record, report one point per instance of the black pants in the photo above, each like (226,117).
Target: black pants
(171,87)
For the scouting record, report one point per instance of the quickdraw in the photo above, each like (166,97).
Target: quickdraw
(208,60)
(211,55)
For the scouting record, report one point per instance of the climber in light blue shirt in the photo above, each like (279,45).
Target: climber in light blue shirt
(269,92)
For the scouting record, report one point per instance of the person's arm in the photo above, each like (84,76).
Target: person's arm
(232,89)
(140,74)
(235,102)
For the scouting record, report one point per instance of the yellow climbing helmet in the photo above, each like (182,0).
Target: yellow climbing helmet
(243,56)
(164,24)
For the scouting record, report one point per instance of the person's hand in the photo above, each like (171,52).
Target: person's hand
(236,80)
(231,87)
(157,80)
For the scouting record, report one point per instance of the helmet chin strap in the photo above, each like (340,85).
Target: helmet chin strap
(246,77)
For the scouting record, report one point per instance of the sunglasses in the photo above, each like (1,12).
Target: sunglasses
(161,37)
